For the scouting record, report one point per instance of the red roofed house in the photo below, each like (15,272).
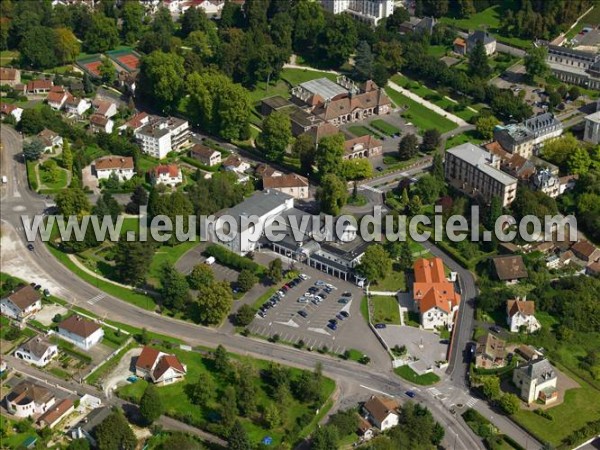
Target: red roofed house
(586,251)
(206,155)
(159,367)
(433,294)
(10,77)
(520,313)
(7,109)
(21,303)
(460,46)
(136,122)
(39,86)
(291,184)
(100,123)
(122,166)
(57,97)
(57,413)
(169,174)
(80,331)
(104,108)
(362,147)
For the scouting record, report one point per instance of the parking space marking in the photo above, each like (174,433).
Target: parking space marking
(289,323)
(318,330)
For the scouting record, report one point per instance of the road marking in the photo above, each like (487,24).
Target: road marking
(376,390)
(472,402)
(96,299)
(433,391)
(370,188)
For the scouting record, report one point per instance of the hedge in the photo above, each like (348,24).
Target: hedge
(233,260)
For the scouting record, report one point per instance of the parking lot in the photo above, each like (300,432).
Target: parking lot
(286,319)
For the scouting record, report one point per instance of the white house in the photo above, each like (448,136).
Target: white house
(80,331)
(161,368)
(520,313)
(50,139)
(163,135)
(488,41)
(122,166)
(105,108)
(100,123)
(7,109)
(291,184)
(38,351)
(136,122)
(29,399)
(235,164)
(21,303)
(57,97)
(169,175)
(537,381)
(56,413)
(76,106)
(382,412)
(205,155)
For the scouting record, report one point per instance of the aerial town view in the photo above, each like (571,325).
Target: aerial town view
(300,224)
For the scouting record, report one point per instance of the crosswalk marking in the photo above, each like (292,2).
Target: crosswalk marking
(471,402)
(433,391)
(96,299)
(371,188)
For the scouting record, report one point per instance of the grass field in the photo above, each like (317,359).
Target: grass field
(437,50)
(261,90)
(384,127)
(177,403)
(298,76)
(359,130)
(364,308)
(395,281)
(6,57)
(410,375)
(166,254)
(468,136)
(50,185)
(385,310)
(422,117)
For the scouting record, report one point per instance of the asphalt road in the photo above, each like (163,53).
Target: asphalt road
(352,375)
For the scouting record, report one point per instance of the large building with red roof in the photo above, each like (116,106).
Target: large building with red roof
(434,296)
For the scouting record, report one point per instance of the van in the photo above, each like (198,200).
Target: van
(210,260)
(4,179)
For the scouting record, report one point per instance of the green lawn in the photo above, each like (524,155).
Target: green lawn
(359,130)
(410,375)
(468,136)
(166,254)
(437,50)
(384,127)
(177,403)
(422,117)
(260,91)
(298,76)
(489,17)
(56,184)
(395,281)
(6,57)
(364,308)
(385,310)
(147,163)
(466,114)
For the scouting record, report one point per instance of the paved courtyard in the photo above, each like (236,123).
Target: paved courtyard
(48,312)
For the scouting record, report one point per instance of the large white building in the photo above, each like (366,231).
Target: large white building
(369,11)
(592,128)
(476,172)
(163,135)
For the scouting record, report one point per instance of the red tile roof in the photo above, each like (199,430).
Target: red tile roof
(7,108)
(147,358)
(284,181)
(431,288)
(7,74)
(171,169)
(167,362)
(39,84)
(368,142)
(79,325)
(56,413)
(114,162)
(525,307)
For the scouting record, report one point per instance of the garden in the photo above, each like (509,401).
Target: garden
(385,309)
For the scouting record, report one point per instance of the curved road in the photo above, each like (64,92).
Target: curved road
(16,199)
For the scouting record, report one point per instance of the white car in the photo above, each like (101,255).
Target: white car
(303,276)
(331,286)
(302,300)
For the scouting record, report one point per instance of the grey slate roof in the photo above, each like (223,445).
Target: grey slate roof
(539,369)
(479,35)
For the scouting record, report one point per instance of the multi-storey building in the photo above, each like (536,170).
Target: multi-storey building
(477,173)
(526,138)
(592,128)
(368,11)
(574,66)
(163,135)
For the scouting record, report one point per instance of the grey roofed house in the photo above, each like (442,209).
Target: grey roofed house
(480,158)
(542,124)
(479,35)
(36,346)
(539,369)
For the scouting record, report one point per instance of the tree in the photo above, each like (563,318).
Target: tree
(114,433)
(180,441)
(174,288)
(88,87)
(202,391)
(363,61)
(375,263)
(102,34)
(276,135)
(408,146)
(151,405)
(490,386)
(38,48)
(509,403)
(325,438)
(478,61)
(339,38)
(246,280)
(73,202)
(201,275)
(244,316)
(535,62)
(398,17)
(137,199)
(274,271)
(437,169)
(345,421)
(132,260)
(162,77)
(221,359)
(272,416)
(107,71)
(238,437)
(429,188)
(485,126)
(246,390)
(332,194)
(415,205)
(558,151)
(66,46)
(356,169)
(79,444)
(33,149)
(574,93)
(67,156)
(213,303)
(381,74)
(431,140)
(132,15)
(329,154)
(466,8)
(304,149)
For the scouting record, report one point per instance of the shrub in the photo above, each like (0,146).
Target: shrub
(57,318)
(275,338)
(230,259)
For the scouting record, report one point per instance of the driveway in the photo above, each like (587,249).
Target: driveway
(118,376)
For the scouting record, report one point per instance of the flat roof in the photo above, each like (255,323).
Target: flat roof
(259,204)
(478,157)
(324,87)
(594,117)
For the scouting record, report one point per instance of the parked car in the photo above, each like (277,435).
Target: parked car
(320,283)
(495,329)
(303,313)
(30,247)
(379,169)
(411,394)
(380,326)
(333,326)
(304,276)
(347,294)
(345,314)
(302,300)
(46,293)
(328,290)
(339,316)
(343,300)
(37,287)
(261,314)
(333,321)
(315,302)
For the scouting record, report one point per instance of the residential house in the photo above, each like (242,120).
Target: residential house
(592,128)
(105,108)
(459,46)
(80,331)
(586,251)
(57,97)
(567,183)
(526,138)
(362,147)
(9,77)
(56,413)
(476,172)
(6,109)
(382,412)
(291,184)
(39,86)
(520,313)
(490,352)
(264,170)
(593,269)
(77,106)
(234,163)
(527,352)
(122,166)
(434,296)
(29,399)
(169,175)
(212,8)
(545,181)
(136,122)
(510,268)
(37,350)
(536,380)
(50,139)
(206,155)
(489,42)
(158,367)
(418,25)
(101,124)
(21,303)
(364,429)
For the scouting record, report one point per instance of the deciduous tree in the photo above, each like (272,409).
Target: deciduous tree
(431,140)
(276,135)
(201,275)
(102,34)
(174,288)
(375,264)
(304,149)
(38,48)
(535,62)
(485,126)
(274,271)
(73,202)
(213,303)
(332,194)
(151,405)
(67,46)
(162,77)
(408,147)
(246,280)
(244,316)
(132,260)
(329,154)
(114,433)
